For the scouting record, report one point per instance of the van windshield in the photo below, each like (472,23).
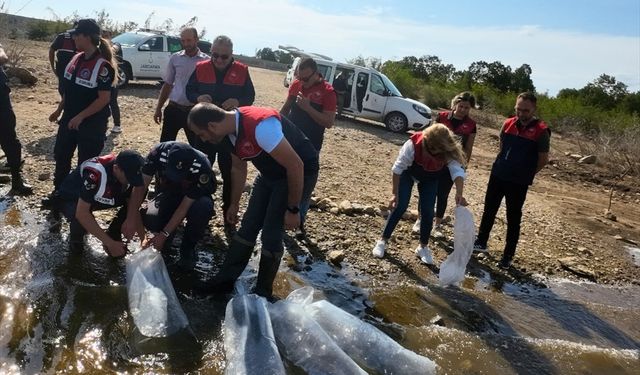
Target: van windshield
(393,90)
(129,39)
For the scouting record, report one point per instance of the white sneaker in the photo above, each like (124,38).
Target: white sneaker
(424,254)
(378,250)
(116,129)
(416,227)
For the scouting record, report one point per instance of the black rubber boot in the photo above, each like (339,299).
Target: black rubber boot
(18,185)
(237,258)
(269,264)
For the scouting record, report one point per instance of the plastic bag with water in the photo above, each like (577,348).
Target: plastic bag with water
(248,338)
(453,268)
(365,344)
(305,344)
(153,303)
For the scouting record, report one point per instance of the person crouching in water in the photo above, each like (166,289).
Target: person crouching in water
(420,160)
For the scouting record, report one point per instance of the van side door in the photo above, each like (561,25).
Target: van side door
(153,57)
(375,99)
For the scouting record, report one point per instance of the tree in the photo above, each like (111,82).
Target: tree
(521,79)
(604,92)
(358,60)
(283,57)
(266,53)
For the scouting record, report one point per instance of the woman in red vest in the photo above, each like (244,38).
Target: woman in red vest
(464,127)
(422,159)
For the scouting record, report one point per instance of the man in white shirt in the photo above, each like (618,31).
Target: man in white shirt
(181,66)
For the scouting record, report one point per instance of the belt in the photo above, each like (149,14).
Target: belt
(185,108)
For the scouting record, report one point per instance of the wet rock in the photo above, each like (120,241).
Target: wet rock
(437,320)
(44,176)
(589,159)
(572,265)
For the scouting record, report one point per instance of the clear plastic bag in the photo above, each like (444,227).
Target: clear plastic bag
(453,268)
(365,344)
(305,344)
(248,338)
(153,303)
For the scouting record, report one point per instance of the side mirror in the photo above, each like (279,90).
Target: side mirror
(288,66)
(386,93)
(144,47)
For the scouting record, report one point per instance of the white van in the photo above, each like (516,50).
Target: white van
(146,53)
(372,95)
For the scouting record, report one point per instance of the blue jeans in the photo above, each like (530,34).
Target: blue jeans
(427,191)
(266,208)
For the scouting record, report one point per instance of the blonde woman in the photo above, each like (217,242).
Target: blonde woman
(421,160)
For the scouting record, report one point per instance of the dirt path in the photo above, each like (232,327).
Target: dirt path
(563,217)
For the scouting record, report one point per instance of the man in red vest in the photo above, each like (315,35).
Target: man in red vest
(288,167)
(227,84)
(524,151)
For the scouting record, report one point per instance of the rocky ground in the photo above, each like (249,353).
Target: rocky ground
(565,231)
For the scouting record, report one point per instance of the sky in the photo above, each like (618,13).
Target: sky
(568,43)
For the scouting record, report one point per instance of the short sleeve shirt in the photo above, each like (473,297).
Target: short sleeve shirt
(200,180)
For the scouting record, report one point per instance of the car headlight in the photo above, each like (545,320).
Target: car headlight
(422,110)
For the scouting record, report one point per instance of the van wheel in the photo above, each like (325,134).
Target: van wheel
(396,122)
(125,74)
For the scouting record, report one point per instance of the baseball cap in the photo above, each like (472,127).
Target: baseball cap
(131,163)
(86,26)
(179,161)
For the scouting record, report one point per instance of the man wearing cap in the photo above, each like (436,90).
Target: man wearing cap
(227,84)
(288,169)
(62,49)
(185,184)
(175,78)
(8,138)
(97,184)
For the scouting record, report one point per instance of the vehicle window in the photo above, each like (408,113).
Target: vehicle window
(128,39)
(325,71)
(376,86)
(174,44)
(393,90)
(156,44)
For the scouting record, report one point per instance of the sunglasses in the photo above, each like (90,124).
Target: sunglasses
(307,78)
(218,56)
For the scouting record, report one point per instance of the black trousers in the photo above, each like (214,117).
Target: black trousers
(444,188)
(174,119)
(88,139)
(214,152)
(515,195)
(8,138)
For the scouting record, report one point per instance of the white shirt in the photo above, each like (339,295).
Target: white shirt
(407,154)
(268,133)
(178,71)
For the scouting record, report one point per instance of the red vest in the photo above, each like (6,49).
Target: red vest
(86,71)
(467,127)
(246,145)
(236,74)
(424,159)
(532,132)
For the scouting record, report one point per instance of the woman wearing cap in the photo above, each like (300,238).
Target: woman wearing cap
(97,184)
(464,127)
(86,93)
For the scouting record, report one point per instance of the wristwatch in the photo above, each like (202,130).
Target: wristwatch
(293,209)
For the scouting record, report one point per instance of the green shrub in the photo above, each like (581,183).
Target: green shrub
(436,96)
(402,78)
(46,30)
